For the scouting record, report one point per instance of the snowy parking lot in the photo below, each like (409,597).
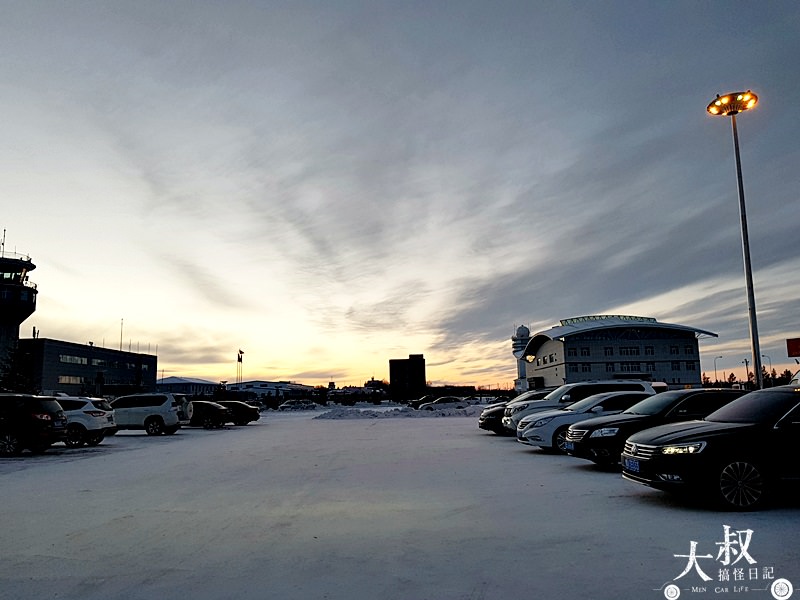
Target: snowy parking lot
(298,507)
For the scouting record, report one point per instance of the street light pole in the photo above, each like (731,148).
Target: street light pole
(769,360)
(730,105)
(716,379)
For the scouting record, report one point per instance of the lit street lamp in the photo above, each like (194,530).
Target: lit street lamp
(730,105)
(716,379)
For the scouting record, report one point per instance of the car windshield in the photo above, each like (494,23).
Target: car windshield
(48,405)
(763,406)
(582,405)
(654,404)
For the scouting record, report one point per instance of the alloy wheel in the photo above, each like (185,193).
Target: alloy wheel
(741,485)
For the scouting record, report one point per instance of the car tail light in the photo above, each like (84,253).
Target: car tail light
(94,413)
(42,416)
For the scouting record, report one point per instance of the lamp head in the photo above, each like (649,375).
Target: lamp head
(732,104)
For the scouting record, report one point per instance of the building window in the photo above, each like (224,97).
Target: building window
(572,352)
(70,379)
(688,350)
(609,367)
(544,360)
(73,360)
(629,351)
(585,351)
(608,351)
(572,368)
(690,365)
(552,358)
(650,367)
(586,367)
(673,350)
(676,366)
(649,351)
(630,367)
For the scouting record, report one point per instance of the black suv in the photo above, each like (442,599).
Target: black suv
(32,422)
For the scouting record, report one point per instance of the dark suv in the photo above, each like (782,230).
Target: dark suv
(32,422)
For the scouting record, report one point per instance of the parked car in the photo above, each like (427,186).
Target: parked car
(445,402)
(567,394)
(89,420)
(601,439)
(548,429)
(157,414)
(241,413)
(298,405)
(415,404)
(491,418)
(32,422)
(737,456)
(207,414)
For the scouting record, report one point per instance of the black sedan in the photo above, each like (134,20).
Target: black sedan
(735,456)
(601,439)
(241,413)
(206,414)
(491,419)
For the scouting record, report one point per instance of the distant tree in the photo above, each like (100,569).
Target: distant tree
(706,380)
(784,378)
(732,378)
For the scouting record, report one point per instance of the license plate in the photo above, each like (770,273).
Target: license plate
(569,446)
(631,464)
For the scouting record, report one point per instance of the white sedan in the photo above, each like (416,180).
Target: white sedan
(548,429)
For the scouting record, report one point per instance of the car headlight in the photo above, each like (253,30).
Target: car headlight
(605,432)
(542,422)
(517,409)
(691,448)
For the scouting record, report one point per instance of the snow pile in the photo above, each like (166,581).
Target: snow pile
(404,412)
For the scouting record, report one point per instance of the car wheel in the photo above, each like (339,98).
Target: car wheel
(94,439)
(75,435)
(9,444)
(560,440)
(742,485)
(209,423)
(154,426)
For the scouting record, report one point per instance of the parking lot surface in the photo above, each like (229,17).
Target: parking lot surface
(293,507)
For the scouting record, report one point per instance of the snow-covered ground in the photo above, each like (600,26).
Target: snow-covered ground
(361,505)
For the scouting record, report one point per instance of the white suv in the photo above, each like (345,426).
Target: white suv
(89,420)
(157,414)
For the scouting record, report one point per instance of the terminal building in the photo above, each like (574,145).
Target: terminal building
(85,369)
(609,347)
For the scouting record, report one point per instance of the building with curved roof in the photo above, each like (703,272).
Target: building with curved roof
(613,347)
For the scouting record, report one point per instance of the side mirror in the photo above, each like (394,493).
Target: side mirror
(597,409)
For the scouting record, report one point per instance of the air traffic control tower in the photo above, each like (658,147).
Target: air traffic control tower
(17,297)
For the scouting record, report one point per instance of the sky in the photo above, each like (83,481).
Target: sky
(329,185)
